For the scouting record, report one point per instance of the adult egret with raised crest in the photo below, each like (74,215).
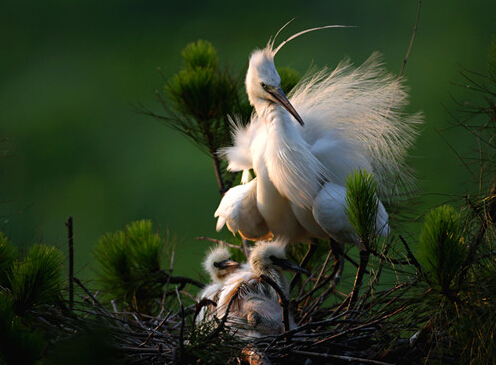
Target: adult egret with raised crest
(303,146)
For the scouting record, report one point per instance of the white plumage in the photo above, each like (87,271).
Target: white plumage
(256,310)
(238,210)
(302,150)
(219,265)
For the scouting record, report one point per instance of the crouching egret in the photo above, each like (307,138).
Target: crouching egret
(255,310)
(302,148)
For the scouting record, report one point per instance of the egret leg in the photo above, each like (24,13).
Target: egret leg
(338,253)
(364,259)
(246,247)
(304,262)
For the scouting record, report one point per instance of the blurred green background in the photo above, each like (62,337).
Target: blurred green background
(70,71)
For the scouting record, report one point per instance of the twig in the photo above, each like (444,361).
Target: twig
(204,302)
(304,262)
(353,262)
(183,280)
(364,259)
(166,290)
(326,280)
(354,329)
(417,18)
(219,328)
(311,325)
(218,173)
(471,251)
(323,268)
(78,282)
(388,259)
(410,254)
(340,357)
(413,37)
(181,331)
(220,242)
(375,280)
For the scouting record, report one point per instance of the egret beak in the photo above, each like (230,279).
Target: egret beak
(288,265)
(279,97)
(227,264)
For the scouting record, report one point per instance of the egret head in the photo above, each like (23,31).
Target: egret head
(218,263)
(263,83)
(269,256)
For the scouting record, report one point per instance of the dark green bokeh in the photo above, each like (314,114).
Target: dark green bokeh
(71,70)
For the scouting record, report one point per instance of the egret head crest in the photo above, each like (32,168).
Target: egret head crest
(270,45)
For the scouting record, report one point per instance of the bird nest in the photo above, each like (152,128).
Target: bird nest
(383,326)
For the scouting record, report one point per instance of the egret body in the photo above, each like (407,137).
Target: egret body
(302,149)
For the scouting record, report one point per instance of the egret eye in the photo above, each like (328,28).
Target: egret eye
(264,86)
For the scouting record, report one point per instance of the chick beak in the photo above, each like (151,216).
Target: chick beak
(226,264)
(288,265)
(279,97)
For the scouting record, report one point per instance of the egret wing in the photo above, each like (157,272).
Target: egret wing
(238,210)
(329,211)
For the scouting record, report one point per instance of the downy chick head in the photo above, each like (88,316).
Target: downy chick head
(218,264)
(270,257)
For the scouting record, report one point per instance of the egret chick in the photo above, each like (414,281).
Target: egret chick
(255,310)
(219,265)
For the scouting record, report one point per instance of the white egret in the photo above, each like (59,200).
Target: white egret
(302,149)
(256,311)
(219,265)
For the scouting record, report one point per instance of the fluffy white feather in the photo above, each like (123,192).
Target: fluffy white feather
(362,106)
(238,210)
(353,119)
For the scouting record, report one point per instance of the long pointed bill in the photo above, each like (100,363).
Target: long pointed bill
(288,265)
(281,98)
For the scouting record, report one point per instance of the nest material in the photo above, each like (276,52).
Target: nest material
(381,328)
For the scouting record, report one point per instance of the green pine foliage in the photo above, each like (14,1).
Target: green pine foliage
(200,54)
(442,249)
(129,265)
(203,95)
(37,279)
(203,348)
(19,344)
(361,205)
